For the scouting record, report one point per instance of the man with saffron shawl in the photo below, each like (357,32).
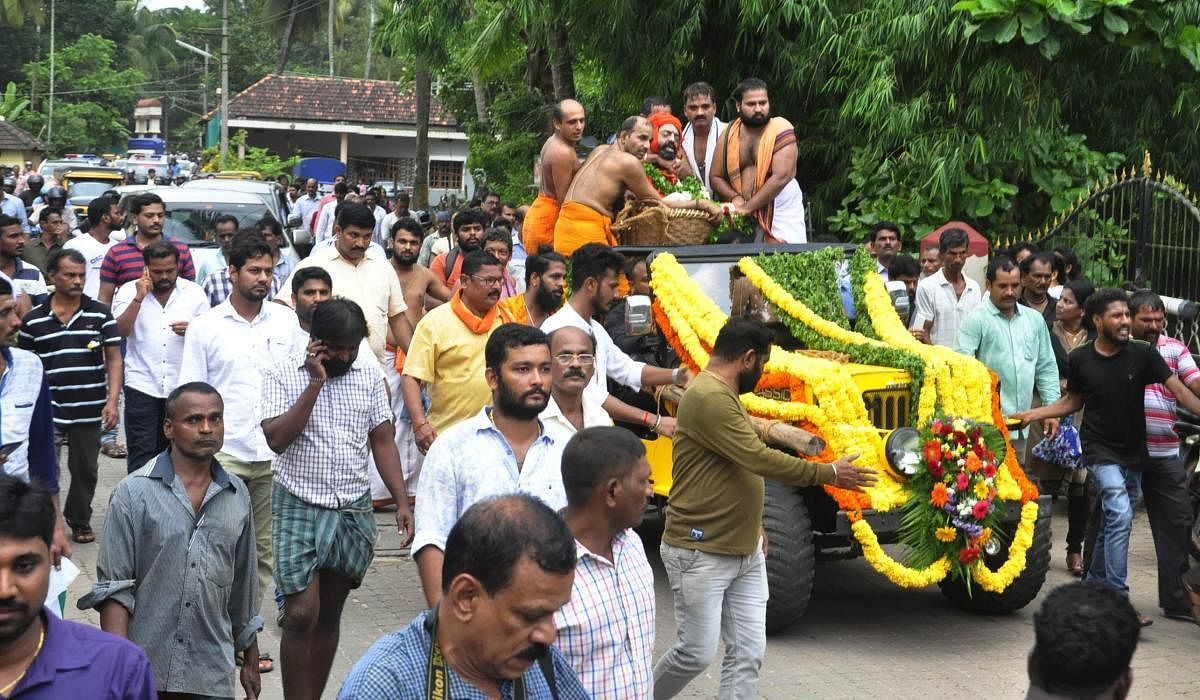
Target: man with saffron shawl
(755,167)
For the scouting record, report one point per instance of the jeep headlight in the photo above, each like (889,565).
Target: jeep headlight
(903,450)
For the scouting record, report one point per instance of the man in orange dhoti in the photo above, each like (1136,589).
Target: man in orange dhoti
(586,214)
(755,166)
(556,169)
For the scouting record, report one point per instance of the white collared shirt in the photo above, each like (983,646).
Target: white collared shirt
(552,417)
(231,354)
(937,301)
(611,361)
(153,350)
(472,461)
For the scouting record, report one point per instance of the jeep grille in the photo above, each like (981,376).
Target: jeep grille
(888,407)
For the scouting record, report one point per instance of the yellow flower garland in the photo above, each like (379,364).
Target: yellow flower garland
(841,417)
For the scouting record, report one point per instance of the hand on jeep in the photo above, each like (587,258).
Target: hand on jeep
(851,476)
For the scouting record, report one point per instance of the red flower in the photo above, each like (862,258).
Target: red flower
(980,511)
(933,453)
(989,471)
(936,471)
(966,555)
(963,481)
(961,438)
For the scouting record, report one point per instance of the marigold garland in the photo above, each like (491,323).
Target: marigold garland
(690,321)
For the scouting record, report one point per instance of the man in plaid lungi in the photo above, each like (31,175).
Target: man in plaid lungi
(323,413)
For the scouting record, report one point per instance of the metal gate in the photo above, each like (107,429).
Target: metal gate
(1135,230)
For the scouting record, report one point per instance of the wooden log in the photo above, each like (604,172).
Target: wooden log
(775,433)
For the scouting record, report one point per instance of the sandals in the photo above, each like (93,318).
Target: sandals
(83,535)
(114,449)
(1075,563)
(265,663)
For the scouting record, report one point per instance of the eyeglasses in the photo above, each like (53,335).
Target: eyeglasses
(565,358)
(488,281)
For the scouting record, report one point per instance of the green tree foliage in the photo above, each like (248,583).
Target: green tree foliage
(12,104)
(262,161)
(93,101)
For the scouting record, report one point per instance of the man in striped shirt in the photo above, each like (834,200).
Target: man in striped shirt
(77,340)
(1164,480)
(123,262)
(606,631)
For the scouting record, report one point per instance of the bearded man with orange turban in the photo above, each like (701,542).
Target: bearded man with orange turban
(666,132)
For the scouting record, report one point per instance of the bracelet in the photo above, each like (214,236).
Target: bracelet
(646,418)
(422,424)
(317,380)
(834,468)
(656,422)
(675,375)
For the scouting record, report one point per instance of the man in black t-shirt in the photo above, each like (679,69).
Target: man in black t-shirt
(1108,377)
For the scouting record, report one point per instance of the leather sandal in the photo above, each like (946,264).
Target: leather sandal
(1075,563)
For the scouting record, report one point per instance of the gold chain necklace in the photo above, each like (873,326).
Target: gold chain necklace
(41,640)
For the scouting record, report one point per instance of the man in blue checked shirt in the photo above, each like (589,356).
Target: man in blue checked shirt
(509,565)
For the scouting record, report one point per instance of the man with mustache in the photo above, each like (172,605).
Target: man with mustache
(713,545)
(323,414)
(755,167)
(469,225)
(664,144)
(545,284)
(569,409)
(509,565)
(501,449)
(76,337)
(176,567)
(703,130)
(1109,377)
(594,270)
(153,313)
(230,346)
(446,356)
(42,656)
(602,181)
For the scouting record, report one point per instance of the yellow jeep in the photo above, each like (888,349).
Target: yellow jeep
(874,408)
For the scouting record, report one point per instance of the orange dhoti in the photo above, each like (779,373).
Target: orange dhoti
(538,227)
(578,225)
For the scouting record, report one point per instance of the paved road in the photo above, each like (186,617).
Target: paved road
(862,636)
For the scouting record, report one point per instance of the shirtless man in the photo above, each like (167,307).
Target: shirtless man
(755,166)
(422,289)
(558,166)
(608,173)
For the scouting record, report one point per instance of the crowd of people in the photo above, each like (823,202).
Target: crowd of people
(1065,351)
(460,379)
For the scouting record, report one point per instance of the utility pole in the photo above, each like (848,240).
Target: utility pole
(204,81)
(224,80)
(50,108)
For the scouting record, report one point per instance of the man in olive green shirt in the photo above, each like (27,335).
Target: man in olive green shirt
(712,548)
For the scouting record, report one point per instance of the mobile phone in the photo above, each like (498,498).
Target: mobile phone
(6,450)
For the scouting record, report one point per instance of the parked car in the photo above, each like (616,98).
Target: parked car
(85,184)
(268,191)
(192,211)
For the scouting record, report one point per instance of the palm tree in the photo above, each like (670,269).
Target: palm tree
(14,13)
(294,19)
(150,41)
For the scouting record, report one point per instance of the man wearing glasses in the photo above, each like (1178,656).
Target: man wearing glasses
(446,355)
(569,409)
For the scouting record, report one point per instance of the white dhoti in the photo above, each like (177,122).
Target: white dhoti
(406,445)
(787,222)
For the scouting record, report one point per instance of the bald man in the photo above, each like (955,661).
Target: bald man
(609,172)
(556,170)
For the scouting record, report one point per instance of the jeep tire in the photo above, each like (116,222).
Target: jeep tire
(1023,590)
(791,555)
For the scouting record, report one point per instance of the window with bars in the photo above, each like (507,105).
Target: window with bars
(445,174)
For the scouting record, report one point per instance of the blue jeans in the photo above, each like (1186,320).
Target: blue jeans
(1120,489)
(718,597)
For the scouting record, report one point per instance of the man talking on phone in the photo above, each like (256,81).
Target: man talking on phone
(27,447)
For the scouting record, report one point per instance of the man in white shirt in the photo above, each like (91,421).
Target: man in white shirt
(371,201)
(230,346)
(501,449)
(365,279)
(104,215)
(327,218)
(308,204)
(224,229)
(594,270)
(606,631)
(883,242)
(153,314)
(569,408)
(946,297)
(703,130)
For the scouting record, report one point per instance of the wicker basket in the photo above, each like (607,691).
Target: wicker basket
(653,224)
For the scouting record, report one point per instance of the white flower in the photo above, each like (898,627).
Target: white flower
(93,344)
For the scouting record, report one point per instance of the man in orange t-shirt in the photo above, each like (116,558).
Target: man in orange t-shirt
(469,225)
